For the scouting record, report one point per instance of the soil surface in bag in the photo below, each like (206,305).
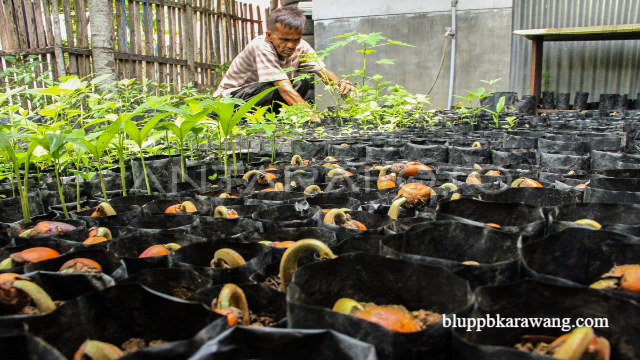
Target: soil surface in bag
(383,281)
(74,206)
(268,307)
(118,314)
(129,249)
(224,228)
(291,234)
(374,223)
(124,215)
(27,346)
(550,302)
(160,206)
(623,218)
(242,342)
(580,256)
(197,257)
(180,349)
(542,197)
(511,217)
(180,283)
(450,244)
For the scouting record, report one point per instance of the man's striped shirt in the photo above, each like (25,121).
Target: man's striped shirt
(259,62)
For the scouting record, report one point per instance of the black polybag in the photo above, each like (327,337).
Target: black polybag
(291,234)
(124,215)
(575,257)
(119,313)
(223,228)
(285,216)
(450,243)
(61,246)
(534,299)
(363,243)
(129,248)
(62,287)
(27,346)
(241,342)
(176,282)
(261,299)
(527,220)
(384,281)
(542,197)
(623,218)
(164,222)
(374,223)
(197,257)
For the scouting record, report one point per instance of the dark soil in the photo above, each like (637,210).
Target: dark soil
(135,344)
(182,292)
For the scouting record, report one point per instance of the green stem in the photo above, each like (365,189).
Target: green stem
(104,190)
(235,164)
(122,170)
(224,156)
(144,171)
(182,161)
(248,144)
(60,193)
(23,198)
(78,188)
(273,149)
(13,186)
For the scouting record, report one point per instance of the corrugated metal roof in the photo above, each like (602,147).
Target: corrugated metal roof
(593,66)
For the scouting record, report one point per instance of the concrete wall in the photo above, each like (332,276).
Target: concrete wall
(483,41)
(336,9)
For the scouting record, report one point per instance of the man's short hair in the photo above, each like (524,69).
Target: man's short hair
(287,16)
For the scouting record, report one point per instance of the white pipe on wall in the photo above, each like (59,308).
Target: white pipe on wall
(452,75)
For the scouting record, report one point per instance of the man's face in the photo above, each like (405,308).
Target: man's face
(284,39)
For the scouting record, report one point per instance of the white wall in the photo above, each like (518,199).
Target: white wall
(333,9)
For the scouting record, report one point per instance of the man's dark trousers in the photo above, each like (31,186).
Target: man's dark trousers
(249,91)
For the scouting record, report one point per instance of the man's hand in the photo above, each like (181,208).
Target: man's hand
(343,87)
(314,117)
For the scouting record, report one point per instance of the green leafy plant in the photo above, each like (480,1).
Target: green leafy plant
(97,147)
(8,144)
(496,114)
(54,145)
(139,136)
(229,116)
(512,121)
